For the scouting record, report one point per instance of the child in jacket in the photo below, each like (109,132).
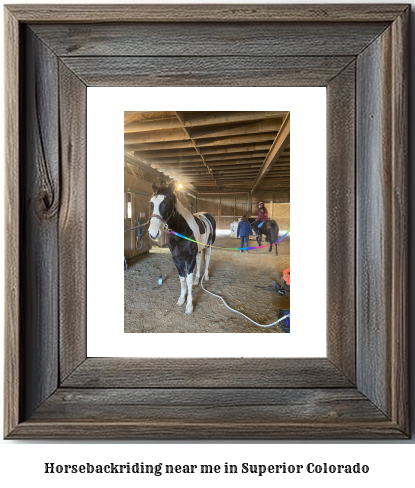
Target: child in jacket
(244,231)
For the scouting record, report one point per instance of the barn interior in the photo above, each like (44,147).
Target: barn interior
(223,163)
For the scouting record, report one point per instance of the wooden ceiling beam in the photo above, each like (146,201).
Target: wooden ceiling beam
(151,125)
(206,118)
(156,136)
(280,178)
(277,148)
(234,179)
(235,162)
(181,170)
(173,154)
(234,140)
(207,183)
(176,164)
(192,178)
(271,125)
(224,157)
(239,167)
(251,171)
(161,146)
(180,166)
(236,148)
(189,174)
(158,146)
(195,180)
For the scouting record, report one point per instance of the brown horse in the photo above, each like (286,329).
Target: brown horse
(270,230)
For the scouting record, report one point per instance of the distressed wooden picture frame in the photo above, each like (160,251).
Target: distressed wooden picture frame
(359,52)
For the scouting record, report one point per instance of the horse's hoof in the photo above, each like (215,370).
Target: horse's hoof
(206,278)
(189,310)
(180,301)
(269,250)
(196,281)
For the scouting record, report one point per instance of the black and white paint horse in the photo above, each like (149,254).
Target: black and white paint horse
(166,210)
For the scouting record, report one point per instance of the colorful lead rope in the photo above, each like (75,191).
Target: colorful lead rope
(229,248)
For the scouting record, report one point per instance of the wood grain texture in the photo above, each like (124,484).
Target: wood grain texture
(206,373)
(188,430)
(13,383)
(40,204)
(382,223)
(206,71)
(209,405)
(372,225)
(72,223)
(206,399)
(374,213)
(399,232)
(227,39)
(206,13)
(341,236)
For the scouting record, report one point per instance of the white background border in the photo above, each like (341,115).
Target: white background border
(105,232)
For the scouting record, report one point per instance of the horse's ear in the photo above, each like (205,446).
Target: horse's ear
(155,187)
(171,186)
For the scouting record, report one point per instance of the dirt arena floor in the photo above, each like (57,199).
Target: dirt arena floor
(240,278)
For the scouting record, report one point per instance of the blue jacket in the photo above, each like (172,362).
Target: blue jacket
(244,229)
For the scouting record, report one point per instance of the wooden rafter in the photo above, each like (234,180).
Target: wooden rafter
(276,150)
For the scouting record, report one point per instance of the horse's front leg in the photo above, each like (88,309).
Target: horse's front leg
(181,268)
(270,247)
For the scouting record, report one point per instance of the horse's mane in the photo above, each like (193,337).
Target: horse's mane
(188,217)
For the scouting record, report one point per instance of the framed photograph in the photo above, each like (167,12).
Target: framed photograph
(233,144)
(358,389)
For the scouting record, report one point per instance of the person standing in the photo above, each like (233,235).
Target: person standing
(262,216)
(244,231)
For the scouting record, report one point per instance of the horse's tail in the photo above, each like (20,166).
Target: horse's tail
(274,230)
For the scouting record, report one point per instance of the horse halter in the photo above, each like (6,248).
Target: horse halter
(166,227)
(164,221)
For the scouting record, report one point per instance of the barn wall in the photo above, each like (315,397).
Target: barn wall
(281,213)
(228,207)
(267,196)
(134,182)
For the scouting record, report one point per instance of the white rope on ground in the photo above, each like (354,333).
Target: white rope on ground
(240,313)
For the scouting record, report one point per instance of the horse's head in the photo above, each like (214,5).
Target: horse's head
(163,204)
